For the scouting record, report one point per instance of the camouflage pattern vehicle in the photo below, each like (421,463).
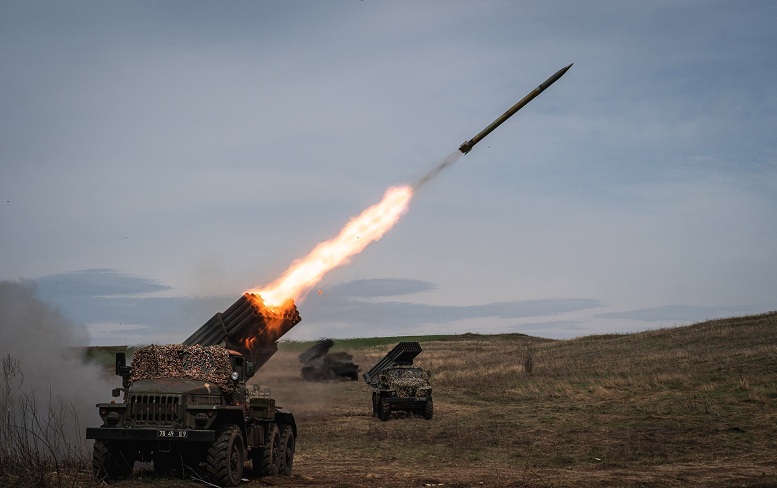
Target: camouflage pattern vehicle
(187,406)
(397,385)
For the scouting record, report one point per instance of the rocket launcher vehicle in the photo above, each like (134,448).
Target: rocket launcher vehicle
(249,327)
(402,355)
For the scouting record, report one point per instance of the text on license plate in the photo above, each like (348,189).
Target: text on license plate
(171,433)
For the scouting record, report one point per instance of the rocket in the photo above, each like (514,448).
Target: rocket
(467,146)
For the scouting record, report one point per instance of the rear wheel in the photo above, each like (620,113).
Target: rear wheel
(286,458)
(226,457)
(265,459)
(112,461)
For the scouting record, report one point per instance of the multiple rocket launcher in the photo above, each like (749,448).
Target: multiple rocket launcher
(249,327)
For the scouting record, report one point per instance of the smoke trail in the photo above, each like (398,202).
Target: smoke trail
(452,158)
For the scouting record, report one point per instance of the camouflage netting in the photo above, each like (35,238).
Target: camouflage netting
(210,364)
(409,381)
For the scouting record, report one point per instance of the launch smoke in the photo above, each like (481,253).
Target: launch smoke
(452,158)
(47,391)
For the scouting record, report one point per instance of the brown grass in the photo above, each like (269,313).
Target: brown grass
(686,406)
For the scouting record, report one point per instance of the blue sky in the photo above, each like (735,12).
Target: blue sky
(159,158)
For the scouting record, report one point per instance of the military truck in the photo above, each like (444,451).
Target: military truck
(187,407)
(397,385)
(318,364)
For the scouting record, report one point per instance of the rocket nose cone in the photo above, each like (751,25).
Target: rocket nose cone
(564,70)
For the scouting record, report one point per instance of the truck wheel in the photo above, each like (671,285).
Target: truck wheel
(286,458)
(226,457)
(428,410)
(265,459)
(111,462)
(384,410)
(374,405)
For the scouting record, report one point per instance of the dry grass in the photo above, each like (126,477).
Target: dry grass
(39,444)
(687,406)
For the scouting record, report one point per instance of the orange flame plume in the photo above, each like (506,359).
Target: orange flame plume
(361,231)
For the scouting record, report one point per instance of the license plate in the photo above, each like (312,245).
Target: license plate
(178,434)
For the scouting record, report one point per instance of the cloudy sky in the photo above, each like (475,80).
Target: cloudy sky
(157,159)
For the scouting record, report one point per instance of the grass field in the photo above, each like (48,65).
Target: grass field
(686,406)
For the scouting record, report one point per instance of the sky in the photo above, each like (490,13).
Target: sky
(157,159)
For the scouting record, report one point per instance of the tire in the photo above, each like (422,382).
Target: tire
(384,410)
(226,457)
(265,459)
(429,409)
(111,462)
(286,457)
(375,405)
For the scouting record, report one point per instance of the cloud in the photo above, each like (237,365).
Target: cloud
(96,282)
(381,287)
(112,303)
(679,313)
(93,297)
(358,302)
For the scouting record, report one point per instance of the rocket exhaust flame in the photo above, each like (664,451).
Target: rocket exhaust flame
(361,231)
(370,225)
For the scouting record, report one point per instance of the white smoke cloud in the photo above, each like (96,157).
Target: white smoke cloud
(45,379)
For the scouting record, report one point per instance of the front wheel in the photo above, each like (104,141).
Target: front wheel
(226,457)
(428,410)
(384,410)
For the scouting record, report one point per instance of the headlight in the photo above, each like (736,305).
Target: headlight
(234,375)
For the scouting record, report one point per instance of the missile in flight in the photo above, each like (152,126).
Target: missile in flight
(467,146)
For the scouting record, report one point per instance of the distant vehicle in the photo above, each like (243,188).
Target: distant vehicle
(321,365)
(397,385)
